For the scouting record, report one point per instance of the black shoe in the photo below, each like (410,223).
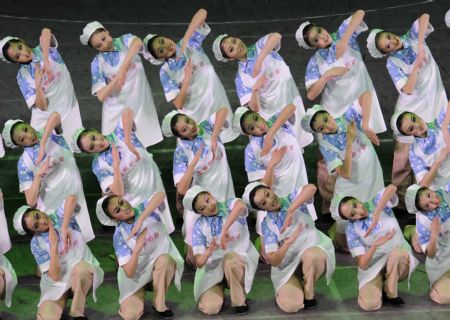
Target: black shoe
(79,318)
(241,310)
(395,302)
(168,314)
(310,304)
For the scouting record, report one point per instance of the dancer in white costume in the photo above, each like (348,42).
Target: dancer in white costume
(44,81)
(66,262)
(47,169)
(122,165)
(376,242)
(199,159)
(145,253)
(263,81)
(292,244)
(418,81)
(119,82)
(224,254)
(188,78)
(8,278)
(349,154)
(432,210)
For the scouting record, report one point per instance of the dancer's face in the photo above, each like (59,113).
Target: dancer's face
(186,127)
(324,123)
(37,221)
(429,200)
(234,48)
(354,209)
(255,125)
(412,125)
(388,42)
(101,41)
(266,200)
(120,209)
(93,142)
(163,47)
(19,52)
(205,204)
(319,38)
(24,135)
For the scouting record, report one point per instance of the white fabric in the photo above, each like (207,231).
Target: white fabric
(440,264)
(279,91)
(310,237)
(10,279)
(206,94)
(157,243)
(79,251)
(289,174)
(88,30)
(366,174)
(428,97)
(136,94)
(379,259)
(343,91)
(212,272)
(3,42)
(5,242)
(2,148)
(61,98)
(62,180)
(141,179)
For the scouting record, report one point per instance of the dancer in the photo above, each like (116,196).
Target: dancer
(145,253)
(66,262)
(293,245)
(119,82)
(376,242)
(187,75)
(44,81)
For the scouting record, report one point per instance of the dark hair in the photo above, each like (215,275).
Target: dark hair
(344,200)
(377,38)
(86,131)
(150,46)
(24,225)
(105,205)
(417,200)
(194,202)
(399,122)
(173,123)
(313,119)
(94,33)
(12,131)
(6,47)
(305,33)
(221,49)
(241,122)
(252,196)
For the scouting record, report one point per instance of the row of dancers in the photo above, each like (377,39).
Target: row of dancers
(272,115)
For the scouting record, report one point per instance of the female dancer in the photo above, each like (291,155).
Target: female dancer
(432,212)
(263,81)
(44,81)
(349,154)
(145,253)
(119,82)
(430,147)
(377,244)
(66,262)
(293,245)
(224,255)
(187,75)
(122,165)
(199,159)
(416,76)
(8,278)
(47,169)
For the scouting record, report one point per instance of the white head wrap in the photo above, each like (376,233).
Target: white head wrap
(299,36)
(306,120)
(249,188)
(410,198)
(3,42)
(216,48)
(101,214)
(334,207)
(7,134)
(372,46)
(394,127)
(236,121)
(17,220)
(147,55)
(165,125)
(88,30)
(190,196)
(76,134)
(447,18)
